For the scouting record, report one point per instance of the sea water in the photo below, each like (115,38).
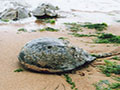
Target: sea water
(76,10)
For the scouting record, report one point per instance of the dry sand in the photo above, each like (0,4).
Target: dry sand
(11,43)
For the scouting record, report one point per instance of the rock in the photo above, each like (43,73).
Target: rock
(15,13)
(52,55)
(45,11)
(20,3)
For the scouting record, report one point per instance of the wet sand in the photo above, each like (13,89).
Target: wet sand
(11,43)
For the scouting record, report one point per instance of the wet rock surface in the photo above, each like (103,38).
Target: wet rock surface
(52,55)
(16,13)
(45,10)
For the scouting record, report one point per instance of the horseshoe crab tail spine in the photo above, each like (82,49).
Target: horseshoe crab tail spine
(103,55)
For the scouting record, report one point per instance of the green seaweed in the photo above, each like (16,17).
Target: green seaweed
(82,35)
(5,20)
(19,70)
(49,29)
(107,38)
(51,21)
(106,85)
(97,26)
(69,80)
(115,86)
(62,38)
(116,78)
(99,85)
(22,29)
(74,27)
(109,68)
(116,58)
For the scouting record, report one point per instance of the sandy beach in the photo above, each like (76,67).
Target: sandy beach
(11,43)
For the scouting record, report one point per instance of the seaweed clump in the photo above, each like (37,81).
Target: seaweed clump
(110,68)
(51,21)
(49,29)
(116,58)
(107,38)
(106,85)
(22,29)
(75,27)
(62,38)
(69,81)
(19,70)
(97,26)
(47,20)
(83,35)
(5,20)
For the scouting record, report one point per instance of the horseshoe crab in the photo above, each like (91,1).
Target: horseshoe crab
(45,11)
(15,13)
(52,55)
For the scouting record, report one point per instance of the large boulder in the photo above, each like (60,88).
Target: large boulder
(52,55)
(16,13)
(45,11)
